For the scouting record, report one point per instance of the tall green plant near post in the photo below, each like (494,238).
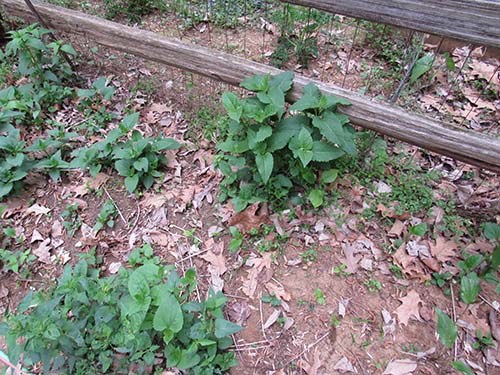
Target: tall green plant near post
(271,151)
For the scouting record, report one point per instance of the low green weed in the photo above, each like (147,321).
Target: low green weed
(136,158)
(271,153)
(143,316)
(106,217)
(72,221)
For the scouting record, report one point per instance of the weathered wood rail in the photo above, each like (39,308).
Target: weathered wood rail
(475,21)
(470,147)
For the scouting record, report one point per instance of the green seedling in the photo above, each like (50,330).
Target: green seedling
(106,216)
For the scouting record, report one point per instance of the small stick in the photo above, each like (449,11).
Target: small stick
(17,370)
(309,347)
(262,316)
(116,206)
(489,304)
(191,256)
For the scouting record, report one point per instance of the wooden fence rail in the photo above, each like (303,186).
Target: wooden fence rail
(473,148)
(476,21)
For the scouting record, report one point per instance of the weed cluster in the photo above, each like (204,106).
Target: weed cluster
(91,324)
(40,83)
(269,156)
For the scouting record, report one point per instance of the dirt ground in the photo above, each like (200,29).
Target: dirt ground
(347,297)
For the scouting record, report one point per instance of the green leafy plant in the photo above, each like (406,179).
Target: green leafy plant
(320,296)
(270,155)
(271,299)
(236,239)
(136,158)
(309,255)
(462,367)
(106,216)
(92,324)
(72,221)
(15,260)
(483,341)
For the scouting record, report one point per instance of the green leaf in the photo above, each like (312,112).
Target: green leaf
(316,197)
(462,367)
(141,164)
(265,165)
(130,121)
(446,329)
(469,288)
(330,127)
(492,231)
(277,98)
(68,49)
(323,152)
(169,315)
(422,66)
(309,100)
(301,145)
(131,183)
(138,286)
(232,105)
(284,130)
(264,132)
(225,328)
(329,176)
(283,81)
(256,83)
(419,229)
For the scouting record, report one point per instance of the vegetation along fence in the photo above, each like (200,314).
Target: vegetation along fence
(470,20)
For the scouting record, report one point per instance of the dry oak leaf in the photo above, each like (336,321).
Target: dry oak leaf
(250,218)
(311,368)
(400,367)
(351,260)
(409,307)
(42,252)
(278,291)
(218,262)
(153,200)
(255,273)
(443,250)
(38,210)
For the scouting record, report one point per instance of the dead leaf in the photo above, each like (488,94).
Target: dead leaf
(389,326)
(250,218)
(344,365)
(38,210)
(57,229)
(159,238)
(217,261)
(4,292)
(443,250)
(313,367)
(400,367)
(114,267)
(397,229)
(36,236)
(42,252)
(351,261)
(260,271)
(417,249)
(239,312)
(272,319)
(486,71)
(153,200)
(278,291)
(409,307)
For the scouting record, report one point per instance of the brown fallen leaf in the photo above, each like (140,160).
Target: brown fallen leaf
(313,367)
(409,307)
(217,261)
(260,272)
(400,367)
(344,366)
(278,291)
(153,200)
(351,260)
(239,312)
(42,252)
(250,218)
(37,209)
(272,319)
(397,229)
(443,250)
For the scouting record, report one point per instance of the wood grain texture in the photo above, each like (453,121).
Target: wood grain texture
(470,147)
(475,21)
